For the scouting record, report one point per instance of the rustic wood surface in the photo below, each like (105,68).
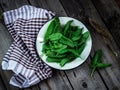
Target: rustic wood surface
(106,13)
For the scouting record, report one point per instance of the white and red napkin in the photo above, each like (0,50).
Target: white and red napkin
(24,24)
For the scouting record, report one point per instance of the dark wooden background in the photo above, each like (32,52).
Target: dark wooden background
(104,12)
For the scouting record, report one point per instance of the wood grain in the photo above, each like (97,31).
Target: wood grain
(91,12)
(48,4)
(57,82)
(107,74)
(2,86)
(111,16)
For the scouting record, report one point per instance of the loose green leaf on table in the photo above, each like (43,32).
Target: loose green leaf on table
(103,65)
(97,63)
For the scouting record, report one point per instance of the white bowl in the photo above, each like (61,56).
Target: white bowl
(74,63)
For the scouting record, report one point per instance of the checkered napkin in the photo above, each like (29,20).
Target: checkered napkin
(24,24)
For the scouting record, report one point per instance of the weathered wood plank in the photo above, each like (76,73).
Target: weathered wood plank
(73,9)
(43,85)
(2,87)
(109,75)
(8,5)
(12,4)
(25,89)
(52,5)
(110,13)
(35,87)
(20,3)
(57,82)
(111,18)
(111,80)
(80,78)
(5,41)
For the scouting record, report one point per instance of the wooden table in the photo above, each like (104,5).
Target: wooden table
(106,13)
